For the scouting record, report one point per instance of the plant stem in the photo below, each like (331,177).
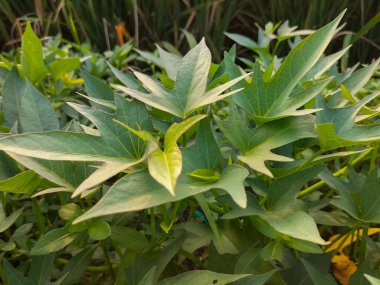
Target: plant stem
(91,268)
(340,172)
(108,260)
(153,224)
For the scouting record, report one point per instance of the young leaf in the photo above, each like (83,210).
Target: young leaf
(58,68)
(165,166)
(99,230)
(32,59)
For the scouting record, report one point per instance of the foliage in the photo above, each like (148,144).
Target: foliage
(172,22)
(189,170)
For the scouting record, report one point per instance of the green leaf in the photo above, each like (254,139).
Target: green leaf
(36,113)
(19,99)
(256,144)
(14,277)
(205,175)
(269,100)
(202,277)
(204,153)
(116,145)
(358,198)
(360,78)
(318,265)
(32,59)
(7,222)
(77,266)
(244,41)
(69,211)
(23,183)
(165,166)
(323,65)
(67,174)
(336,126)
(99,230)
(304,246)
(96,88)
(283,192)
(129,238)
(139,191)
(189,92)
(40,270)
(316,276)
(171,62)
(273,251)
(149,277)
(157,258)
(297,224)
(53,241)
(259,279)
(58,68)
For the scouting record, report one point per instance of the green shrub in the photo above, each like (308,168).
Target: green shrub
(241,174)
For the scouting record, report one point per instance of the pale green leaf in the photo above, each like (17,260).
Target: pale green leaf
(166,166)
(53,241)
(32,59)
(99,230)
(202,277)
(189,91)
(23,183)
(139,191)
(60,67)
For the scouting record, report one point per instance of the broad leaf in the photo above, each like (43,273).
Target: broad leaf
(189,92)
(256,144)
(68,174)
(116,145)
(19,98)
(269,100)
(336,126)
(139,191)
(358,199)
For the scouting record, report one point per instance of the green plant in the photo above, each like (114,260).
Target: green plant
(240,174)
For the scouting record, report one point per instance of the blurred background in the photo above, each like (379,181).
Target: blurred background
(106,23)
